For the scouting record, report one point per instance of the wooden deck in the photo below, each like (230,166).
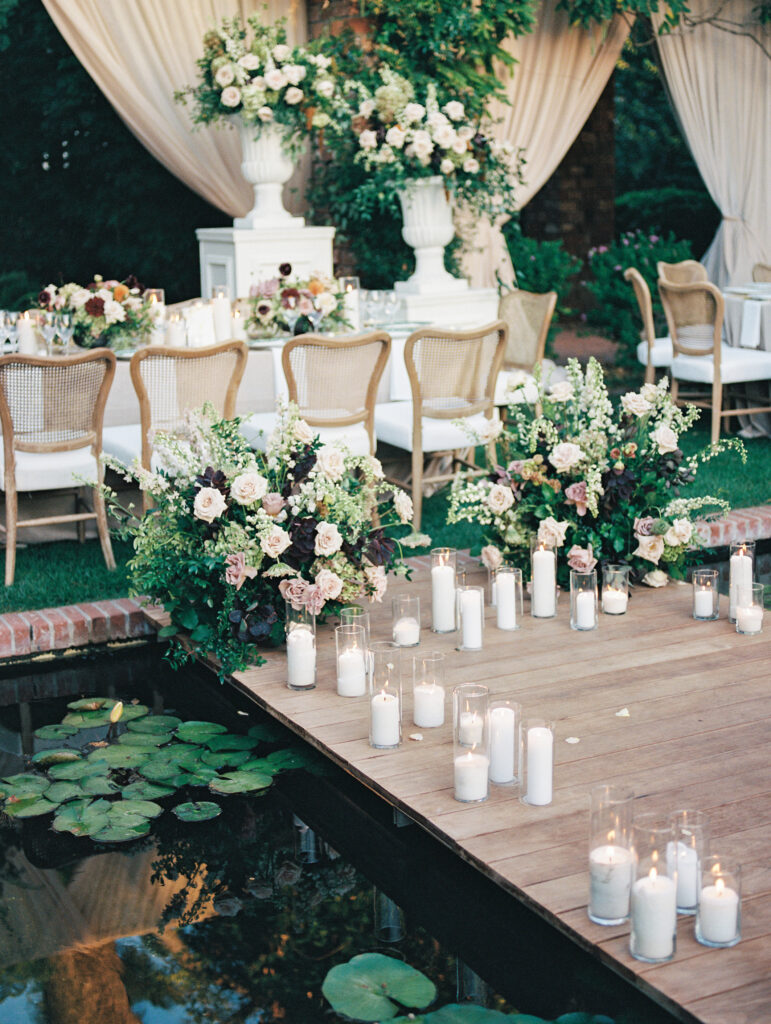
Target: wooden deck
(698,734)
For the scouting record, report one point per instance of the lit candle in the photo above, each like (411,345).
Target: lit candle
(685,860)
(471,619)
(740,578)
(614,601)
(351,673)
(502,746)
(237,328)
(406,632)
(585,616)
(540,750)
(351,304)
(301,658)
(654,914)
(718,912)
(175,331)
(544,595)
(385,720)
(749,620)
(221,311)
(703,603)
(470,728)
(504,598)
(27,337)
(428,705)
(610,882)
(471,777)
(443,598)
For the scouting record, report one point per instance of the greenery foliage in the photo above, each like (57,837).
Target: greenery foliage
(542,266)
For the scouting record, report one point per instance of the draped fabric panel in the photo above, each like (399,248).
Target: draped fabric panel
(552,90)
(720,84)
(138,53)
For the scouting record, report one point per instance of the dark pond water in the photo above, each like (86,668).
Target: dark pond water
(239,919)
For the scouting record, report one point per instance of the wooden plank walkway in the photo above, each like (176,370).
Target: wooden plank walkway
(697,735)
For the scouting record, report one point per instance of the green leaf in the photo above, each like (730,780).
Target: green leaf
(225,758)
(186,617)
(146,791)
(198,732)
(230,742)
(201,634)
(364,988)
(142,808)
(121,757)
(133,711)
(61,792)
(200,776)
(55,732)
(60,755)
(166,632)
(144,739)
(87,719)
(97,785)
(155,724)
(468,1013)
(92,704)
(197,811)
(117,833)
(19,785)
(33,808)
(240,782)
(76,770)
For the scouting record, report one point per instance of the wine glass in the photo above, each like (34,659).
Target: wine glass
(291,312)
(374,305)
(391,303)
(11,328)
(48,330)
(66,329)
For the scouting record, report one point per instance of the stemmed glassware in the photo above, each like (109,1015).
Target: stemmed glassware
(291,312)
(66,329)
(11,328)
(48,328)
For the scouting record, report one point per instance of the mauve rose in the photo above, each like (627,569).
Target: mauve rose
(209,504)
(293,591)
(238,571)
(314,599)
(575,494)
(328,540)
(376,577)
(516,467)
(643,526)
(491,556)
(329,583)
(403,506)
(273,503)
(581,559)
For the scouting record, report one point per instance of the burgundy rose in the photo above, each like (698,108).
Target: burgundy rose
(44,299)
(289,297)
(95,306)
(284,269)
(263,308)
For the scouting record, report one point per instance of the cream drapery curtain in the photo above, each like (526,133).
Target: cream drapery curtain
(552,90)
(138,53)
(720,85)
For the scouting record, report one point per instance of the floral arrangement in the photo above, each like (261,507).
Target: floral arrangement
(105,313)
(263,79)
(286,304)
(604,484)
(235,533)
(403,135)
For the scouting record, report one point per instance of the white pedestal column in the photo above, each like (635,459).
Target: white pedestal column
(466,307)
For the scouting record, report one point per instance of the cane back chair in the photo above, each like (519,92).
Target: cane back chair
(654,353)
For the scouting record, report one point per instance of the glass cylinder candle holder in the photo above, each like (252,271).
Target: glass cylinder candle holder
(543,591)
(509,601)
(428,692)
(741,573)
(405,609)
(353,615)
(706,598)
(583,600)
(300,627)
(615,589)
(537,760)
(689,848)
(719,914)
(749,609)
(351,648)
(653,903)
(611,863)
(349,286)
(505,718)
(385,695)
(471,757)
(443,567)
(470,610)
(492,586)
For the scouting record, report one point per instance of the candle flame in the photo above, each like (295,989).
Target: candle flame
(612,835)
(236,314)
(153,299)
(719,887)
(653,874)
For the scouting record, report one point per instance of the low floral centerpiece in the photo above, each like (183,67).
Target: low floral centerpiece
(235,533)
(104,313)
(603,484)
(287,304)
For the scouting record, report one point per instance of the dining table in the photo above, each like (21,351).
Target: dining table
(747,324)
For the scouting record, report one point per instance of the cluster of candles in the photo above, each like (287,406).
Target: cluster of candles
(745,597)
(648,870)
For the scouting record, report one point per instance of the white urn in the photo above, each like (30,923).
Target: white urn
(428,228)
(267,168)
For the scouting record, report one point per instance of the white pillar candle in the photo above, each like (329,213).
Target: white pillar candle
(470,728)
(175,333)
(540,748)
(428,705)
(585,614)
(544,595)
(471,777)
(443,598)
(157,311)
(739,579)
(385,720)
(351,673)
(718,912)
(471,619)
(654,913)
(614,601)
(301,657)
(610,882)
(27,336)
(351,303)
(502,749)
(703,604)
(505,600)
(406,632)
(685,860)
(749,620)
(221,311)
(237,326)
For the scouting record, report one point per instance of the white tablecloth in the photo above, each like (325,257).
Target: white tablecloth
(748,325)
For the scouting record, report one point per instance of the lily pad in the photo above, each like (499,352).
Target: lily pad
(198,732)
(183,754)
(369,986)
(197,811)
(159,770)
(59,755)
(200,776)
(225,758)
(155,723)
(121,757)
(98,785)
(143,808)
(77,770)
(30,807)
(142,790)
(55,732)
(20,785)
(144,739)
(240,782)
(124,833)
(62,792)
(134,711)
(92,704)
(268,731)
(468,1013)
(87,719)
(230,742)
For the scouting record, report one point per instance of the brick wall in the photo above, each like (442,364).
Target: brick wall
(335,15)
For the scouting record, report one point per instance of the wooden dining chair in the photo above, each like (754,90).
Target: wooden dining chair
(654,353)
(528,316)
(694,315)
(334,382)
(51,411)
(684,272)
(452,376)
(761,273)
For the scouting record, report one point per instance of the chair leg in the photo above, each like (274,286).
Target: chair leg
(650,375)
(417,490)
(80,504)
(11,515)
(717,408)
(103,529)
(673,390)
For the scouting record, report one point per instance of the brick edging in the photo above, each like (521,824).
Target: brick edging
(73,625)
(738,525)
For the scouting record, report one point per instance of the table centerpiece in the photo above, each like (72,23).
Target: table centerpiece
(287,304)
(110,314)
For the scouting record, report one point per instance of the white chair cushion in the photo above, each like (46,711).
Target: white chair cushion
(354,436)
(48,471)
(550,374)
(661,353)
(393,424)
(737,365)
(124,442)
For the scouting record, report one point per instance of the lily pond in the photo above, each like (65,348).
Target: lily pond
(169,855)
